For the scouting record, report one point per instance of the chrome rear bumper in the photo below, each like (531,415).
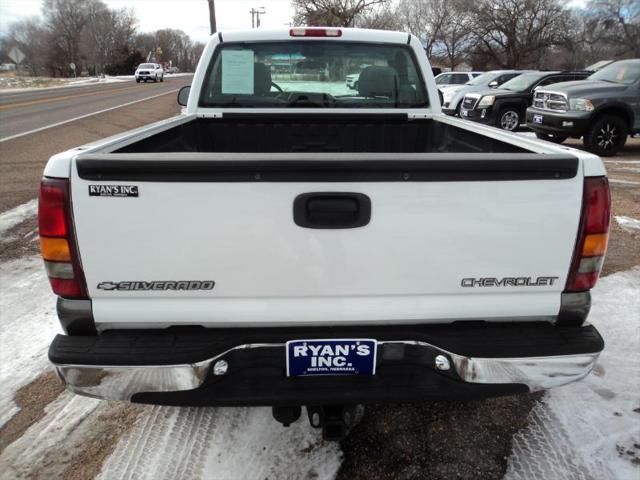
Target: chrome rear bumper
(122,382)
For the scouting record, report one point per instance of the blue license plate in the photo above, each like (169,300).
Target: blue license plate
(537,119)
(331,357)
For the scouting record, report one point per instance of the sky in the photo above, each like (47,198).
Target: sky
(191,16)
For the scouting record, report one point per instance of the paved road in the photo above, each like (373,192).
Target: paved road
(22,112)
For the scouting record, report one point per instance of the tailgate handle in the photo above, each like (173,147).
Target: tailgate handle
(331,210)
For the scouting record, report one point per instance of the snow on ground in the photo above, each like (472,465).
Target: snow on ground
(221,444)
(28,322)
(44,450)
(623,182)
(628,224)
(584,431)
(15,216)
(27,84)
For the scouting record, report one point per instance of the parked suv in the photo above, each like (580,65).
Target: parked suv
(455,78)
(452,95)
(603,110)
(506,108)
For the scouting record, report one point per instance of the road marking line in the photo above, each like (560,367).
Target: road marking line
(64,97)
(17,135)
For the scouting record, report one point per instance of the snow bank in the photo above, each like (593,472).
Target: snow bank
(15,216)
(584,430)
(28,322)
(628,224)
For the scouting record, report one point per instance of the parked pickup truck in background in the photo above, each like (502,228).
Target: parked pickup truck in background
(506,107)
(603,110)
(297,243)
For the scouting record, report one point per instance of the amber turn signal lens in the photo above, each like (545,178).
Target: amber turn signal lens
(55,249)
(595,244)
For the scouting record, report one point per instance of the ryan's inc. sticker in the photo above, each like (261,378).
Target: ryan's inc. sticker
(113,190)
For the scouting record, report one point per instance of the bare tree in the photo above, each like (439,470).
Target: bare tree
(331,13)
(380,17)
(105,33)
(620,20)
(31,38)
(65,20)
(212,16)
(424,18)
(456,30)
(518,33)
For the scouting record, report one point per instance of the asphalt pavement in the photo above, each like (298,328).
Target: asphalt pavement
(26,111)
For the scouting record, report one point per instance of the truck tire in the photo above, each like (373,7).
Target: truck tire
(509,119)
(606,136)
(551,137)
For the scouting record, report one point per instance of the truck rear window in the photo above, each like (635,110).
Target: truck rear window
(309,74)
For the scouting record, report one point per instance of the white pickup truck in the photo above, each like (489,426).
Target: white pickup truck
(295,243)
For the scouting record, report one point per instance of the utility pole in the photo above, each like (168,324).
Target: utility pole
(212,16)
(255,16)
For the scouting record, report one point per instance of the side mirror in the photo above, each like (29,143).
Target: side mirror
(441,97)
(493,84)
(183,95)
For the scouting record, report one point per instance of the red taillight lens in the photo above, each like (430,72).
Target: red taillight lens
(51,205)
(57,244)
(315,32)
(593,235)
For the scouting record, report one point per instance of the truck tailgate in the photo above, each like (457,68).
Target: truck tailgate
(214,242)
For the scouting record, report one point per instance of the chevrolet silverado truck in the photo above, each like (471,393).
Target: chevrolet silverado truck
(604,109)
(295,243)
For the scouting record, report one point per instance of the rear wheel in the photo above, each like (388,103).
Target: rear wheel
(606,136)
(509,119)
(551,137)
(355,85)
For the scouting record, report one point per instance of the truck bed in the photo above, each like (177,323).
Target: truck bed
(389,133)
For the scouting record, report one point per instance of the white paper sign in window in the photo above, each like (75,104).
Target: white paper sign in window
(237,71)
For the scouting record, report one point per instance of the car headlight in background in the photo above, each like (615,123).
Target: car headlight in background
(580,105)
(487,101)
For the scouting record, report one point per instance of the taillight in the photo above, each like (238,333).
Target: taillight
(593,235)
(315,32)
(57,243)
